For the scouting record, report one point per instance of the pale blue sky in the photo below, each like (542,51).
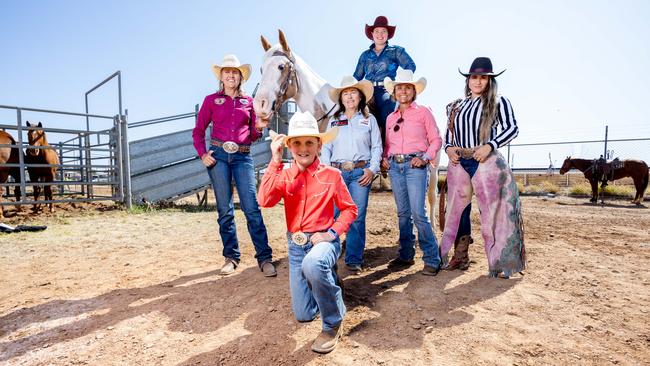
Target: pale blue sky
(572,66)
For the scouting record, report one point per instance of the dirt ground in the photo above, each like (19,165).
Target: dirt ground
(103,287)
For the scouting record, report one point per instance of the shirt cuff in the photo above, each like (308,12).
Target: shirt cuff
(273,165)
(494,145)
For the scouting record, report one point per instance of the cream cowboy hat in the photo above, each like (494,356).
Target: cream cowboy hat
(231,61)
(303,124)
(350,82)
(404,77)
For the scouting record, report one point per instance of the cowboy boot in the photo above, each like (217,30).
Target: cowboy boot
(460,260)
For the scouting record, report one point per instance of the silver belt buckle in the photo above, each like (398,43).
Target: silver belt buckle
(299,238)
(230,147)
(347,166)
(399,158)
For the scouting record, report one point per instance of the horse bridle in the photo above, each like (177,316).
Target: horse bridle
(289,78)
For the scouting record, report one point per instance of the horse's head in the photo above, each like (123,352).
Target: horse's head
(36,137)
(279,81)
(566,166)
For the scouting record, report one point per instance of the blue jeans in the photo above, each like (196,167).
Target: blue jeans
(410,189)
(355,241)
(313,282)
(384,106)
(237,167)
(465,227)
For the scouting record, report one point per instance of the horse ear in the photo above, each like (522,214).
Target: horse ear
(265,44)
(40,124)
(283,42)
(29,124)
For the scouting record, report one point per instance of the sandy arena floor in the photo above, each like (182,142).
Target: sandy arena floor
(103,287)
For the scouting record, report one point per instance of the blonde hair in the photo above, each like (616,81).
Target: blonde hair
(489,100)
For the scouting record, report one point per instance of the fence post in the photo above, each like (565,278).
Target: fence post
(118,176)
(81,165)
(21,158)
(126,169)
(88,167)
(60,170)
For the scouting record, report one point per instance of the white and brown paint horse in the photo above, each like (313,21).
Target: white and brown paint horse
(286,76)
(40,153)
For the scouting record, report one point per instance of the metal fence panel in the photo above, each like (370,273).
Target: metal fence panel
(156,152)
(171,182)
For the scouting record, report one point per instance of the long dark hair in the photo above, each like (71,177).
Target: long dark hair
(363,106)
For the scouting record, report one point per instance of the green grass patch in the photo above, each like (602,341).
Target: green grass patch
(580,189)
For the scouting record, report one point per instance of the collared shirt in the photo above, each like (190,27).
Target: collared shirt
(468,120)
(359,138)
(376,67)
(309,197)
(232,120)
(418,133)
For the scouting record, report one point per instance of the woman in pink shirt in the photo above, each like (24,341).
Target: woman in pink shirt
(234,129)
(412,143)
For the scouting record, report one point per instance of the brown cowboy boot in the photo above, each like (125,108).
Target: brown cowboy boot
(460,260)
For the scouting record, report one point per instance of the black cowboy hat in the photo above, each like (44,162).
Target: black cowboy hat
(380,21)
(481,66)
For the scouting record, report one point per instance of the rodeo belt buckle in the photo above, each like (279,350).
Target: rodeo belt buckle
(299,238)
(399,158)
(230,147)
(347,166)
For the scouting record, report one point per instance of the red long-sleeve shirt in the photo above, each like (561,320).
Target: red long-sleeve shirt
(309,197)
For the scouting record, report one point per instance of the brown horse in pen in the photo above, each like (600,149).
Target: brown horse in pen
(9,155)
(595,172)
(40,153)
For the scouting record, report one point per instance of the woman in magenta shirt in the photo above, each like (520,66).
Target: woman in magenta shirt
(228,159)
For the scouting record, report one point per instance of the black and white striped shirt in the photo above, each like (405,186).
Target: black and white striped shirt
(468,119)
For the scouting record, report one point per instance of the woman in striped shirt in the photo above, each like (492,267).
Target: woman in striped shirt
(478,126)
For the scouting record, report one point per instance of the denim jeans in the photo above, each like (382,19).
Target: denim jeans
(313,282)
(384,106)
(355,241)
(237,167)
(465,228)
(410,189)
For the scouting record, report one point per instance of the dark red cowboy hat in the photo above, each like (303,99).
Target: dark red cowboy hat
(380,21)
(481,66)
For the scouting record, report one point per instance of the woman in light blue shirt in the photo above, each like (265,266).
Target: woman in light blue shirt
(356,152)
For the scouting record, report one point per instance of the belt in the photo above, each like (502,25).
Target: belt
(299,238)
(377,83)
(349,165)
(400,158)
(230,147)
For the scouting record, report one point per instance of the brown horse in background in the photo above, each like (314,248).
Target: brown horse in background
(636,169)
(9,155)
(43,154)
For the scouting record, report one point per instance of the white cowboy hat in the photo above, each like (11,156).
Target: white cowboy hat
(231,61)
(350,82)
(303,124)
(404,77)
